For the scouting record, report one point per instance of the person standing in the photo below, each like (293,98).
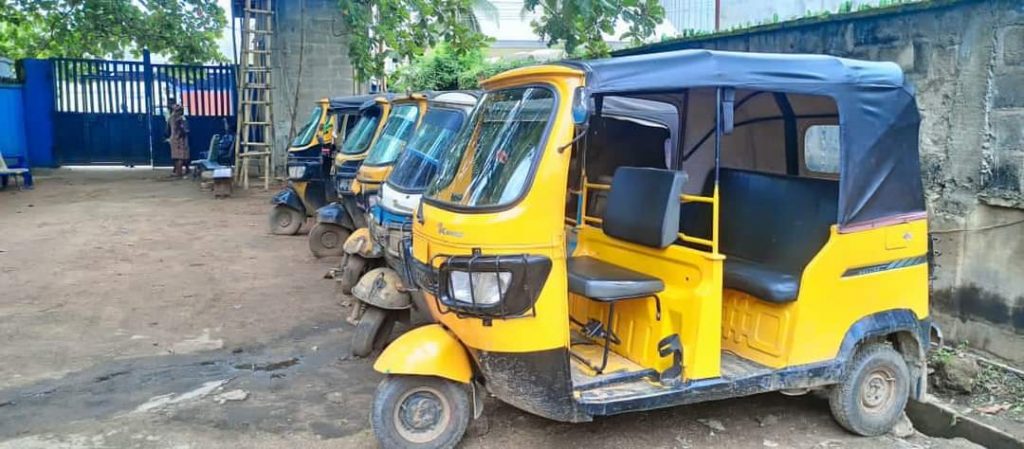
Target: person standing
(177,130)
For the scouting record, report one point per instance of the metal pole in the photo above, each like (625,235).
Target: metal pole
(148,76)
(718,15)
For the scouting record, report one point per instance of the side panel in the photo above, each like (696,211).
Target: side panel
(854,276)
(691,304)
(534,382)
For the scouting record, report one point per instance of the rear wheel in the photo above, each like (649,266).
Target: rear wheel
(372,330)
(326,239)
(873,392)
(421,412)
(285,220)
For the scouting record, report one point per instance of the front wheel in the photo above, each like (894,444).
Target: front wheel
(284,220)
(874,391)
(372,330)
(352,266)
(326,239)
(422,412)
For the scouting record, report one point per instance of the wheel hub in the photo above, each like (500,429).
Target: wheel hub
(284,219)
(878,390)
(422,415)
(329,240)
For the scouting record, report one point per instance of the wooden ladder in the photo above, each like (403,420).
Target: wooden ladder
(255,140)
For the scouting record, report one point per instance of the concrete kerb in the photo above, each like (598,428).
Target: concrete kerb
(935,419)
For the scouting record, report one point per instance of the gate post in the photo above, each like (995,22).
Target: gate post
(39,98)
(147,70)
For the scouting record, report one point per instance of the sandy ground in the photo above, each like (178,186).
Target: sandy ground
(130,303)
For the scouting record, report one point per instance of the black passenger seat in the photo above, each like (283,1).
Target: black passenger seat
(603,281)
(771,228)
(642,208)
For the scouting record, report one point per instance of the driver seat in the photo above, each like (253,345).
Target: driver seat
(642,208)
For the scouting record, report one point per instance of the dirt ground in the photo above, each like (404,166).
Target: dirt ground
(130,304)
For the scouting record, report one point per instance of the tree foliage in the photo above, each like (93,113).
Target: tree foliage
(404,29)
(580,25)
(443,69)
(185,31)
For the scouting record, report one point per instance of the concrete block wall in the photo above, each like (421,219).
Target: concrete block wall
(966,59)
(310,61)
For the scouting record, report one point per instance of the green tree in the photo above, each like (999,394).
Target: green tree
(580,25)
(443,69)
(185,31)
(404,29)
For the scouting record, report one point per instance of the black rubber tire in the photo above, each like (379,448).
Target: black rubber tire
(327,240)
(351,269)
(372,331)
(847,399)
(284,220)
(454,397)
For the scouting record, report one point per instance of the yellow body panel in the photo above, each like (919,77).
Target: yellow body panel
(385,110)
(533,226)
(370,178)
(373,176)
(324,131)
(427,351)
(690,303)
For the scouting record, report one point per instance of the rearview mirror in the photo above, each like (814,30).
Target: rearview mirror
(728,105)
(580,108)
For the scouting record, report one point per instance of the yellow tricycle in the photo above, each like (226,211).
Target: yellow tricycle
(773,238)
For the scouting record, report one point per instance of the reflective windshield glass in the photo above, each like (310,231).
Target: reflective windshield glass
(397,131)
(418,164)
(305,136)
(501,142)
(359,138)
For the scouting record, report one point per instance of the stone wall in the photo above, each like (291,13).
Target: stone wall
(310,58)
(966,59)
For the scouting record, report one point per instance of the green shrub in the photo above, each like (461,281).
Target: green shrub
(442,69)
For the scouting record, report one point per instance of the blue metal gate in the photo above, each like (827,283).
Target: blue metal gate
(114,112)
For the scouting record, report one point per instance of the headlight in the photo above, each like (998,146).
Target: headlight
(296,171)
(345,185)
(481,288)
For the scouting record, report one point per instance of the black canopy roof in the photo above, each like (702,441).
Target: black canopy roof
(353,103)
(880,175)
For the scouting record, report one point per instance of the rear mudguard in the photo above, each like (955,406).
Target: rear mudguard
(288,197)
(335,214)
(427,351)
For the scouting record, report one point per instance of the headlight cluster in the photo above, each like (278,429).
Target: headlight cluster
(504,286)
(345,184)
(484,289)
(296,172)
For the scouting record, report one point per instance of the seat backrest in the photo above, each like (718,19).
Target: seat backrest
(776,220)
(643,206)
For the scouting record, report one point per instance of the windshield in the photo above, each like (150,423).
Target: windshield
(305,135)
(397,131)
(418,164)
(502,141)
(360,136)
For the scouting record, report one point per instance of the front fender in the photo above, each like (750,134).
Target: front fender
(427,351)
(290,198)
(334,213)
(361,243)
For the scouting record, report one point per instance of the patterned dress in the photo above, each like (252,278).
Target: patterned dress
(177,126)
